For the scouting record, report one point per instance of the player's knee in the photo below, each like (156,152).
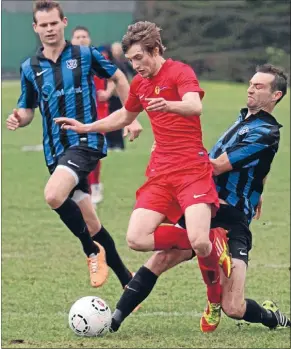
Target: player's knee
(232,309)
(134,243)
(200,245)
(53,199)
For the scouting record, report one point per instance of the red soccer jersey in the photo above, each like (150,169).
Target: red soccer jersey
(102,107)
(178,138)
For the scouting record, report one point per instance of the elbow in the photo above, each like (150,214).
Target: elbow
(198,109)
(195,109)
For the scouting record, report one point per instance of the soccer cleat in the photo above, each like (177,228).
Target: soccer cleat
(220,243)
(211,317)
(282,319)
(98,267)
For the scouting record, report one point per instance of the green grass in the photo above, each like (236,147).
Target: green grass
(44,270)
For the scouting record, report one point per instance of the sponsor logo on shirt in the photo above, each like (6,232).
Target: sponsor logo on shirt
(48,91)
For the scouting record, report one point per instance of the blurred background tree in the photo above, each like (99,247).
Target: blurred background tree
(223,40)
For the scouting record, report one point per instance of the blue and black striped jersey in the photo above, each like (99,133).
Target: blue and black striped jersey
(251,144)
(64,88)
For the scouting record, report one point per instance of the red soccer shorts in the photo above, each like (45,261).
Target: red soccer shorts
(170,194)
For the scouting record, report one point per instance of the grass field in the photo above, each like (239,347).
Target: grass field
(44,270)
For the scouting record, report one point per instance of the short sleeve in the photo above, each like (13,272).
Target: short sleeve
(100,65)
(250,148)
(29,96)
(187,81)
(133,103)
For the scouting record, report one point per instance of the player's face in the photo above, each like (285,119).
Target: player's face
(50,27)
(142,61)
(81,37)
(260,94)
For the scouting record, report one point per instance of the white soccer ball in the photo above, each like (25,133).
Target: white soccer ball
(90,317)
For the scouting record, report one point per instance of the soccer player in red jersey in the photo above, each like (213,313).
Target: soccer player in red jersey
(180,176)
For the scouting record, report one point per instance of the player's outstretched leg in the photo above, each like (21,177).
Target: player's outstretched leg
(144,281)
(237,307)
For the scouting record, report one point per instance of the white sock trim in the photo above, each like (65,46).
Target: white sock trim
(79,195)
(73,173)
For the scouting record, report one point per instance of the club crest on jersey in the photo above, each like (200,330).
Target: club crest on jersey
(159,89)
(243,131)
(71,63)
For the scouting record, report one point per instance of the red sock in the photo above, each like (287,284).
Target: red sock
(210,272)
(214,292)
(94,176)
(168,237)
(212,281)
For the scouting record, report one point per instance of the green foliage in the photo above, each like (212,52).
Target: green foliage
(223,40)
(44,269)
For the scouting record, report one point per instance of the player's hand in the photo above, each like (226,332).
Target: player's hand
(259,209)
(102,96)
(13,121)
(157,104)
(70,124)
(133,130)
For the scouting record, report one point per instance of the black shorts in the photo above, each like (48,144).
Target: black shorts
(239,234)
(81,160)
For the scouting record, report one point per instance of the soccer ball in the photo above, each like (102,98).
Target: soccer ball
(90,317)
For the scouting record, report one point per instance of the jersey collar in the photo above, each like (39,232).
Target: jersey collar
(40,55)
(261,114)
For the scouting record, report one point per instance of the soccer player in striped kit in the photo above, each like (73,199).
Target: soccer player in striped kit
(59,80)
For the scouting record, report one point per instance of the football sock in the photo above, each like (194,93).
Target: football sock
(169,236)
(112,257)
(210,272)
(134,293)
(71,215)
(214,292)
(257,314)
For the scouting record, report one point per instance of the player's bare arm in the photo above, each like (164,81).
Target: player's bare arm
(221,164)
(19,118)
(113,122)
(122,85)
(189,106)
(259,207)
(104,95)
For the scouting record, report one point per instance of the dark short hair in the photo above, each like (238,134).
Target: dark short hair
(46,5)
(80,27)
(280,78)
(147,34)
